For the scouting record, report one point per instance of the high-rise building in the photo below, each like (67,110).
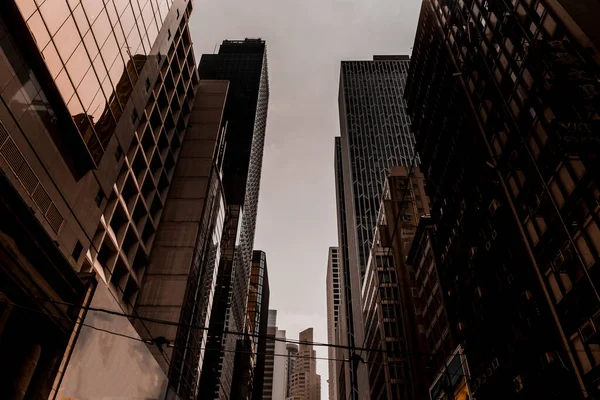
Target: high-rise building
(517,232)
(275,362)
(375,135)
(244,65)
(391,302)
(290,350)
(96,99)
(334,289)
(305,383)
(249,370)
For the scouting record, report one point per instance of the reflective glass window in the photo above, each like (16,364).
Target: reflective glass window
(67,39)
(52,60)
(109,51)
(127,20)
(54,14)
(81,20)
(40,33)
(90,45)
(101,27)
(27,7)
(78,65)
(92,8)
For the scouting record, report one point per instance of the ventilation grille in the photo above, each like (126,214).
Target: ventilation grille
(30,182)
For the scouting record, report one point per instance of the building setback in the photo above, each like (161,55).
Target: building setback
(244,65)
(96,98)
(375,135)
(517,231)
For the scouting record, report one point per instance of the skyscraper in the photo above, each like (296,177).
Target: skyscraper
(244,65)
(305,383)
(517,231)
(275,362)
(96,100)
(249,371)
(334,289)
(375,135)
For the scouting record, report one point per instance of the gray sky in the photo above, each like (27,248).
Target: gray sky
(306,40)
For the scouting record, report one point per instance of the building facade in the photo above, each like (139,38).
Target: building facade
(244,65)
(446,369)
(391,305)
(517,228)
(305,383)
(375,135)
(96,99)
(334,288)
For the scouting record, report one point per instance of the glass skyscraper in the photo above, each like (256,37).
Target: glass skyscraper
(375,135)
(244,64)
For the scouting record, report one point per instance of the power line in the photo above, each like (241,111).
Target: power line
(168,345)
(224,332)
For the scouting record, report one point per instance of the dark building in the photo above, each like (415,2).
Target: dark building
(249,368)
(244,65)
(258,310)
(95,98)
(504,101)
(375,135)
(446,369)
(391,305)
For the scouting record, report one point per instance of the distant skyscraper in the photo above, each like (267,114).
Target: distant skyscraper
(375,135)
(244,65)
(290,350)
(305,384)
(334,289)
(275,362)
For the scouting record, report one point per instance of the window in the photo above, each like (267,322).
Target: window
(147,84)
(77,251)
(169,34)
(118,154)
(134,116)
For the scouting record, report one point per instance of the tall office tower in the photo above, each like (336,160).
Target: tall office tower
(375,135)
(446,371)
(244,65)
(516,83)
(390,295)
(334,288)
(249,369)
(305,384)
(290,350)
(95,101)
(275,363)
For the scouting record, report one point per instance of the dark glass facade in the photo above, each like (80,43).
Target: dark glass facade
(244,65)
(516,215)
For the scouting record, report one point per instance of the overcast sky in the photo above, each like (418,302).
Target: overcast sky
(306,40)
